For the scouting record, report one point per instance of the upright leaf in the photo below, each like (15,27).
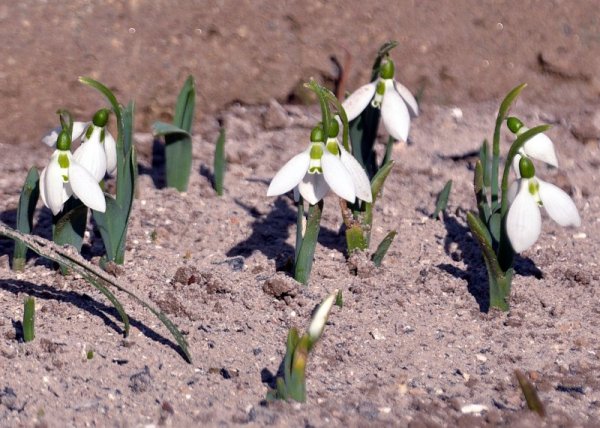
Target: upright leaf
(309,242)
(25,210)
(219,162)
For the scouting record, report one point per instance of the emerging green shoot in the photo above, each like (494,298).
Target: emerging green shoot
(219,163)
(178,138)
(29,319)
(442,200)
(292,385)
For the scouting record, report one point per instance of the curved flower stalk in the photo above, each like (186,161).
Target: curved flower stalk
(527,195)
(64,177)
(509,219)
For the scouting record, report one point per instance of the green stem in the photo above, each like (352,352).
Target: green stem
(309,243)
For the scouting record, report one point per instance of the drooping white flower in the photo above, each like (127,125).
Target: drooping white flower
(539,147)
(396,102)
(526,196)
(64,177)
(98,150)
(316,170)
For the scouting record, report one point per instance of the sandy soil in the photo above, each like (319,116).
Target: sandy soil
(414,342)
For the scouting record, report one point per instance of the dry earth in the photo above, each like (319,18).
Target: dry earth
(414,342)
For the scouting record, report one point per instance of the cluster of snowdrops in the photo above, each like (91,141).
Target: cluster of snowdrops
(341,156)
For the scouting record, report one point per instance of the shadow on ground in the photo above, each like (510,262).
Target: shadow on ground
(475,272)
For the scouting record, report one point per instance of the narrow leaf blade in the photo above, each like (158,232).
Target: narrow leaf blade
(383,248)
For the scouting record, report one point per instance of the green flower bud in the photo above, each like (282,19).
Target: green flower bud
(514,124)
(317,135)
(387,69)
(101,117)
(63,142)
(334,128)
(526,167)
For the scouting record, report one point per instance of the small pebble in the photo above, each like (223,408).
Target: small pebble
(580,235)
(376,335)
(473,408)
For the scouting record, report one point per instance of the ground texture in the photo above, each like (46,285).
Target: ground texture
(415,342)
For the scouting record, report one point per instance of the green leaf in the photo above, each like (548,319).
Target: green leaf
(297,385)
(309,242)
(97,277)
(69,225)
(339,300)
(442,199)
(25,210)
(363,133)
(379,179)
(186,105)
(292,341)
(29,319)
(531,397)
(219,162)
(481,234)
(383,248)
(111,224)
(160,129)
(178,139)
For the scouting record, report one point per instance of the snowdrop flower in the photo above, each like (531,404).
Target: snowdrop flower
(316,170)
(98,150)
(64,177)
(396,102)
(527,194)
(538,147)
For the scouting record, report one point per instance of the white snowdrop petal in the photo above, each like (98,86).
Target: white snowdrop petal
(337,176)
(540,147)
(524,221)
(290,174)
(559,206)
(511,194)
(408,98)
(51,137)
(359,100)
(78,129)
(362,185)
(86,188)
(110,147)
(90,155)
(317,324)
(394,114)
(313,188)
(53,186)
(42,185)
